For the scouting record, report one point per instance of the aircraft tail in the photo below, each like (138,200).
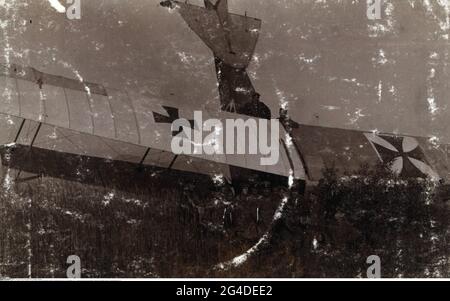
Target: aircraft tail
(231,37)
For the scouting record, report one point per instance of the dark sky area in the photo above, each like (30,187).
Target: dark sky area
(324,58)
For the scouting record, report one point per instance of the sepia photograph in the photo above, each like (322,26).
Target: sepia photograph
(224,139)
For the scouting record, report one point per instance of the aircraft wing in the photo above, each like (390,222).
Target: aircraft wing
(349,150)
(60,114)
(86,119)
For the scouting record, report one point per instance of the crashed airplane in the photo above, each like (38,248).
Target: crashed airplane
(61,127)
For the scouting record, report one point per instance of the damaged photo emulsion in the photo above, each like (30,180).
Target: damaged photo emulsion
(220,139)
(227,137)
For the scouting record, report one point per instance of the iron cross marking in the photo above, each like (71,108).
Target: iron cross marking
(173,114)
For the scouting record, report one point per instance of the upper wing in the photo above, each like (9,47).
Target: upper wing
(349,150)
(117,126)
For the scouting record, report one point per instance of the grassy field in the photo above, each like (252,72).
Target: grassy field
(178,231)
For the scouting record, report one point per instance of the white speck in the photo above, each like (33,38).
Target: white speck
(58,6)
(315,243)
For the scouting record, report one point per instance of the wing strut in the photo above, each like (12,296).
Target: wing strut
(18,180)
(20,130)
(173,162)
(35,135)
(141,163)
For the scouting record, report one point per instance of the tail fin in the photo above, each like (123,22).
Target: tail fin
(231,37)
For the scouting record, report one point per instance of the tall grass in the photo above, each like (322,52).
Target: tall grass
(177,230)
